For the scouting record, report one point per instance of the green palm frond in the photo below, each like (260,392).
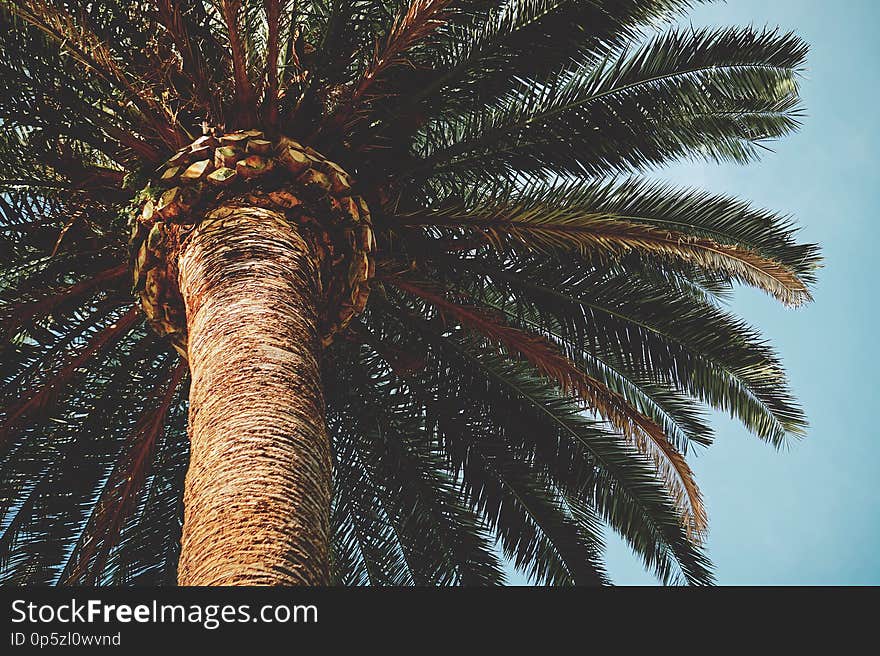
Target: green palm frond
(647,331)
(647,436)
(715,233)
(127,479)
(712,94)
(441,540)
(509,401)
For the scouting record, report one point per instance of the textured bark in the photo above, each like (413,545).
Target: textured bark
(257,492)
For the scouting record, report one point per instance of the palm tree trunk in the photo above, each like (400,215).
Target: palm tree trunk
(257,492)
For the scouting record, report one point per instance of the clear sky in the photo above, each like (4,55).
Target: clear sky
(809,514)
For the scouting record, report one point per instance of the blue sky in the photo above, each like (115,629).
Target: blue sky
(809,514)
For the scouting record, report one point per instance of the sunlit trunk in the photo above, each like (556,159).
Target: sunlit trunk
(257,492)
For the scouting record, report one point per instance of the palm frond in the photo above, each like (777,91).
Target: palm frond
(24,311)
(90,51)
(715,233)
(411,26)
(244,88)
(643,327)
(715,94)
(413,487)
(39,399)
(130,473)
(611,406)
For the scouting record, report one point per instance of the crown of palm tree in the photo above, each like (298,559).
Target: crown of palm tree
(544,328)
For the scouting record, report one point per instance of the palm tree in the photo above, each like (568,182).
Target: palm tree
(392,264)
